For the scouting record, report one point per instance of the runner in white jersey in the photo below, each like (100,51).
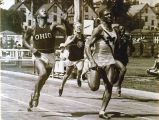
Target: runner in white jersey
(102,61)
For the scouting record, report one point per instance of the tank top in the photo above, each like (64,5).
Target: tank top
(76,49)
(104,45)
(44,40)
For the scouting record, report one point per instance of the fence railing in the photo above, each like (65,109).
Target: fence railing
(15,55)
(18,57)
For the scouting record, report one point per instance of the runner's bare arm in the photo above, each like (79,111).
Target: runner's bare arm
(27,38)
(28,41)
(69,40)
(88,45)
(59,27)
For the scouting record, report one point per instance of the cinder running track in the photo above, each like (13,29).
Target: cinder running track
(75,103)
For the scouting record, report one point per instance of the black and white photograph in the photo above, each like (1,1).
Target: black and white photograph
(79,59)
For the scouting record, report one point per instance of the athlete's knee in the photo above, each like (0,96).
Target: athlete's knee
(93,87)
(43,74)
(94,80)
(93,83)
(69,70)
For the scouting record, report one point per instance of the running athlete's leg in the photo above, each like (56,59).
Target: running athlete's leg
(48,70)
(122,71)
(108,91)
(42,84)
(94,80)
(43,75)
(119,83)
(79,66)
(85,69)
(68,73)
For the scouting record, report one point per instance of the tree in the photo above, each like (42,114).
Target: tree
(90,2)
(119,10)
(36,4)
(1,2)
(12,20)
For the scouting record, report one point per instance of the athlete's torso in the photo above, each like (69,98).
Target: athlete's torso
(44,39)
(76,49)
(103,47)
(121,47)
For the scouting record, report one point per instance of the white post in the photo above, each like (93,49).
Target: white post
(31,13)
(78,9)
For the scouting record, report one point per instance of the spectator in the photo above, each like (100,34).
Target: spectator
(155,69)
(61,64)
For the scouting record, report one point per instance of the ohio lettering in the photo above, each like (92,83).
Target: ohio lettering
(43,36)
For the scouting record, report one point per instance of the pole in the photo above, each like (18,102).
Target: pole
(78,9)
(140,23)
(31,12)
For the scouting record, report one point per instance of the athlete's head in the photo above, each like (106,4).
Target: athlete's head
(42,13)
(105,14)
(77,27)
(122,30)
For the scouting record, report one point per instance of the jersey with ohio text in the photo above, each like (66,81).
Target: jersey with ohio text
(44,40)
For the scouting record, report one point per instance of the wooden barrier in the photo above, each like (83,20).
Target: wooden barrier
(18,57)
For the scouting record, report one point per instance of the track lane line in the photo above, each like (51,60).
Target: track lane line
(54,96)
(39,108)
(60,82)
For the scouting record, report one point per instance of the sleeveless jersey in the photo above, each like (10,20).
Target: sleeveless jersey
(104,47)
(103,44)
(120,50)
(76,49)
(44,40)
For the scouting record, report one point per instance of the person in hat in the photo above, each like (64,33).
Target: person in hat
(42,37)
(75,44)
(63,53)
(62,62)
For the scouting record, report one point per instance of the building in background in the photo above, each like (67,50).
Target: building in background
(10,40)
(56,8)
(54,11)
(147,14)
(29,20)
(88,11)
(156,9)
